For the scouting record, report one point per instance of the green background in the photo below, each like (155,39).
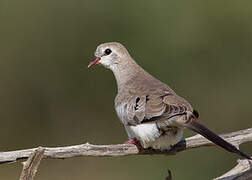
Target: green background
(202,49)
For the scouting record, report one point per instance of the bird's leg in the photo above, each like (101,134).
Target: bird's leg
(135,142)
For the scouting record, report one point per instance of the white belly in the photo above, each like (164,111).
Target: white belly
(149,136)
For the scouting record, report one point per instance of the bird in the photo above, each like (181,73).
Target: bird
(153,115)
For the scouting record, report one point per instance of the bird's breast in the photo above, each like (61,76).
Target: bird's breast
(150,136)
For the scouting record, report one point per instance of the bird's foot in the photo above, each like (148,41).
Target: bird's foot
(135,142)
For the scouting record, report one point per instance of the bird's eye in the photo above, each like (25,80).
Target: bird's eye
(108,51)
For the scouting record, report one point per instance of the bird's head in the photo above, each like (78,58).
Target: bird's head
(109,55)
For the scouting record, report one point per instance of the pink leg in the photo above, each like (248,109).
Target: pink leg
(134,141)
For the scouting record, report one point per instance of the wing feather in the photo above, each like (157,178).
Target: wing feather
(152,107)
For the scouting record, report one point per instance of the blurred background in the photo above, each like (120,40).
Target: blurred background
(49,98)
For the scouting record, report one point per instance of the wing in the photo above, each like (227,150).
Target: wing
(156,106)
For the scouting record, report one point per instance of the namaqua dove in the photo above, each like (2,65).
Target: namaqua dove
(153,115)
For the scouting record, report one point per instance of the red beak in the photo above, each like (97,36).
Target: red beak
(94,61)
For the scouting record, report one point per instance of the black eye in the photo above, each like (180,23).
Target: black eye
(108,51)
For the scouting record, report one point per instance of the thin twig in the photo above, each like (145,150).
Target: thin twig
(31,165)
(169,177)
(242,171)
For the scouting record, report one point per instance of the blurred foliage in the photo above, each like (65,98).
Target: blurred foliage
(202,49)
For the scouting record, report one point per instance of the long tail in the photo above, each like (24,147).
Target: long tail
(195,126)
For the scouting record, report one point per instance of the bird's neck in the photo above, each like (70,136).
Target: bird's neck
(125,72)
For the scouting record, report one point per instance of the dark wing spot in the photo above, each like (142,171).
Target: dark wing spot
(137,100)
(195,113)
(147,98)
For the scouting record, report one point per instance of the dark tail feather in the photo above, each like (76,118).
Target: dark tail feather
(204,131)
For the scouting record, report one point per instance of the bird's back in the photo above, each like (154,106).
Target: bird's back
(144,90)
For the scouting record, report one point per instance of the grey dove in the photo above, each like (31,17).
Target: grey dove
(153,115)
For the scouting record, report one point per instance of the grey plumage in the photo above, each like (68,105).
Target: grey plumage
(149,109)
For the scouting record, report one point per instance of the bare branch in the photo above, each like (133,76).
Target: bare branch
(242,171)
(31,165)
(87,149)
(122,149)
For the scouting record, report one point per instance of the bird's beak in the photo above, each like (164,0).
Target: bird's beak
(94,61)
